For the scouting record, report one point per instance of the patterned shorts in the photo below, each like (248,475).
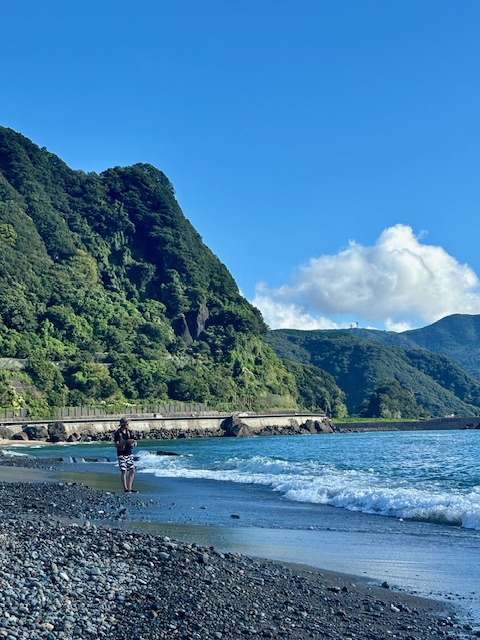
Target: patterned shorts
(126,462)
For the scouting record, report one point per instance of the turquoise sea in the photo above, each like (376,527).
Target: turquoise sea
(401,507)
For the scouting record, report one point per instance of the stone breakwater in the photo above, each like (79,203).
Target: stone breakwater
(163,428)
(68,572)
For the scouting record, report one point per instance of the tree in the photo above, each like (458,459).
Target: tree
(8,235)
(391,400)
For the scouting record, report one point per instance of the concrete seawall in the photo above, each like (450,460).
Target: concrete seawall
(434,424)
(168,427)
(218,425)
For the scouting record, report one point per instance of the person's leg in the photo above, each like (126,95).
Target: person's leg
(124,479)
(131,474)
(123,471)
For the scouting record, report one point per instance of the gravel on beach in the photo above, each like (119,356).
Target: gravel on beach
(72,567)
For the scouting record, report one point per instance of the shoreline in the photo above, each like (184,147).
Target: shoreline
(87,429)
(321,603)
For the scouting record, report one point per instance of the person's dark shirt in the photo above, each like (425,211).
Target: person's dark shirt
(120,436)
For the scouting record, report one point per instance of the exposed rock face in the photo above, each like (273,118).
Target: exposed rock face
(197,320)
(181,329)
(191,325)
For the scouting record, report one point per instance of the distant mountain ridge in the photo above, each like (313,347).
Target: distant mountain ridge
(457,337)
(367,364)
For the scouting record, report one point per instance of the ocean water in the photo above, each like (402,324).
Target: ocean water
(423,476)
(429,476)
(397,506)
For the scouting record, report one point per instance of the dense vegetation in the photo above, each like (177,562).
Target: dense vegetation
(457,337)
(382,381)
(110,296)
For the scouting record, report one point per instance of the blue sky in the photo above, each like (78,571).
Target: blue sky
(327,151)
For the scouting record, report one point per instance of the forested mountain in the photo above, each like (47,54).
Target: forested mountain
(380,380)
(109,295)
(456,336)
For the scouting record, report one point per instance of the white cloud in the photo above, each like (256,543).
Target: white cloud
(398,283)
(287,315)
(398,327)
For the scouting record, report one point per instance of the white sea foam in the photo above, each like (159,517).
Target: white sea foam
(12,454)
(319,483)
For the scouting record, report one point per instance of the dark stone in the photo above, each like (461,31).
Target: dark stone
(36,432)
(233,427)
(309,426)
(57,432)
(196,320)
(19,436)
(181,329)
(5,433)
(324,426)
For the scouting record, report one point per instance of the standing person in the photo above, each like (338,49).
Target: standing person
(125,441)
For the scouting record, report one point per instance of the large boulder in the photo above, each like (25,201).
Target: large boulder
(57,432)
(233,427)
(324,426)
(6,433)
(86,433)
(308,427)
(21,435)
(36,432)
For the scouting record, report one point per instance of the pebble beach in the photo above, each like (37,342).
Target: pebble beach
(73,567)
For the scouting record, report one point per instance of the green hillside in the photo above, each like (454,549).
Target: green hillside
(411,383)
(110,295)
(457,337)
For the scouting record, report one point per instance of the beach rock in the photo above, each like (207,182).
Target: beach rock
(317,426)
(21,435)
(308,426)
(233,427)
(62,580)
(57,432)
(324,426)
(35,432)
(5,433)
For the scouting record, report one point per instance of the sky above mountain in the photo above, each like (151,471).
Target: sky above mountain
(327,152)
